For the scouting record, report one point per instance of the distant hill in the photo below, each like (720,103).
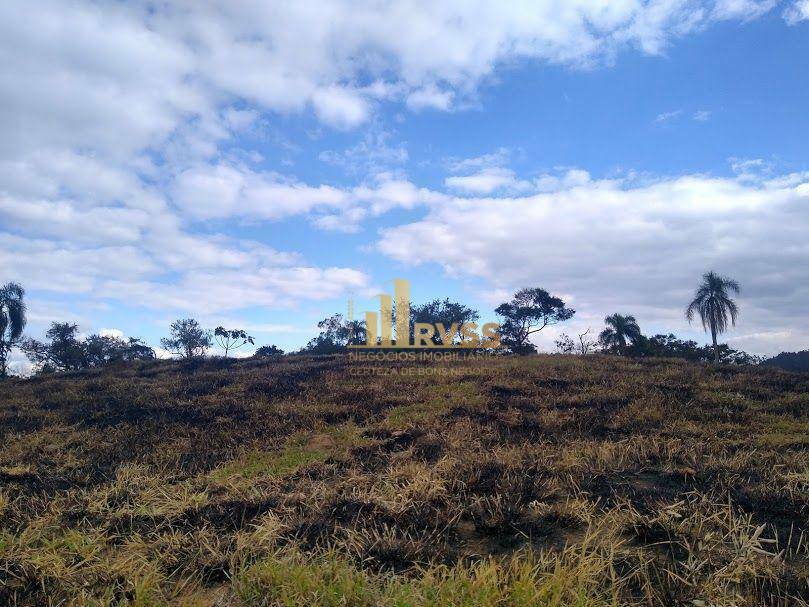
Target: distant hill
(790,361)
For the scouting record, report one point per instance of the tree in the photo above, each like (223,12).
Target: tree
(268,352)
(136,349)
(336,335)
(232,339)
(446,313)
(669,346)
(101,350)
(714,305)
(582,345)
(63,352)
(620,330)
(66,352)
(188,339)
(12,320)
(530,311)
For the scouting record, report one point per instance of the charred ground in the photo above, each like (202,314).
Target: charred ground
(546,480)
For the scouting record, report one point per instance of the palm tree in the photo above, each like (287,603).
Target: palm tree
(619,329)
(713,304)
(12,320)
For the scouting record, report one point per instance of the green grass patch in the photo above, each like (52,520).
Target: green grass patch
(301,450)
(292,580)
(780,432)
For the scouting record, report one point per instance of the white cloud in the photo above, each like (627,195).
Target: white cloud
(224,190)
(702,115)
(429,97)
(798,11)
(373,154)
(482,182)
(668,116)
(742,9)
(487,174)
(111,333)
(340,107)
(497,158)
(567,179)
(614,245)
(484,174)
(214,291)
(390,192)
(122,77)
(18,364)
(751,169)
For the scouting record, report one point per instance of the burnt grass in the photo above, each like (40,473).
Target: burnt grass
(180,476)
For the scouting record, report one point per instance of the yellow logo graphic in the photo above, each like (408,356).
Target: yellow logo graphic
(383,332)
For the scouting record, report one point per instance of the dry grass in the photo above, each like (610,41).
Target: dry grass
(534,481)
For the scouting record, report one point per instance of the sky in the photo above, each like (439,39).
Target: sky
(257,164)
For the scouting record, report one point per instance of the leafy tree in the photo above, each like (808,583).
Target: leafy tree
(100,350)
(669,346)
(336,335)
(715,307)
(12,320)
(232,339)
(582,345)
(268,352)
(188,339)
(620,330)
(136,349)
(64,351)
(446,313)
(530,311)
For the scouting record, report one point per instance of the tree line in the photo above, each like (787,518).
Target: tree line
(527,313)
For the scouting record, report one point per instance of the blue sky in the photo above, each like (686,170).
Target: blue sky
(256,165)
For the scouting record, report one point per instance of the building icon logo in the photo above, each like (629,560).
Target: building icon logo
(391,327)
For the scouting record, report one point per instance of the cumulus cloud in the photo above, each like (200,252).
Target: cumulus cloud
(121,251)
(223,190)
(798,11)
(484,174)
(211,291)
(487,174)
(485,181)
(126,75)
(616,245)
(226,191)
(429,97)
(743,9)
(340,107)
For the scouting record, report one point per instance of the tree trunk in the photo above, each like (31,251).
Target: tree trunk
(715,346)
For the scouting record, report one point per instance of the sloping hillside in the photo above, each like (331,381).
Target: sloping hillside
(305,481)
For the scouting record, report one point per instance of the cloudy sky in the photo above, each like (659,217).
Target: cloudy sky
(255,164)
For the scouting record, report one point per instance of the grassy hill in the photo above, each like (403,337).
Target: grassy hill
(507,481)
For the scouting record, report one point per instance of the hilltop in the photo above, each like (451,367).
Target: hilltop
(542,480)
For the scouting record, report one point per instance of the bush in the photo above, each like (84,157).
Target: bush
(268,352)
